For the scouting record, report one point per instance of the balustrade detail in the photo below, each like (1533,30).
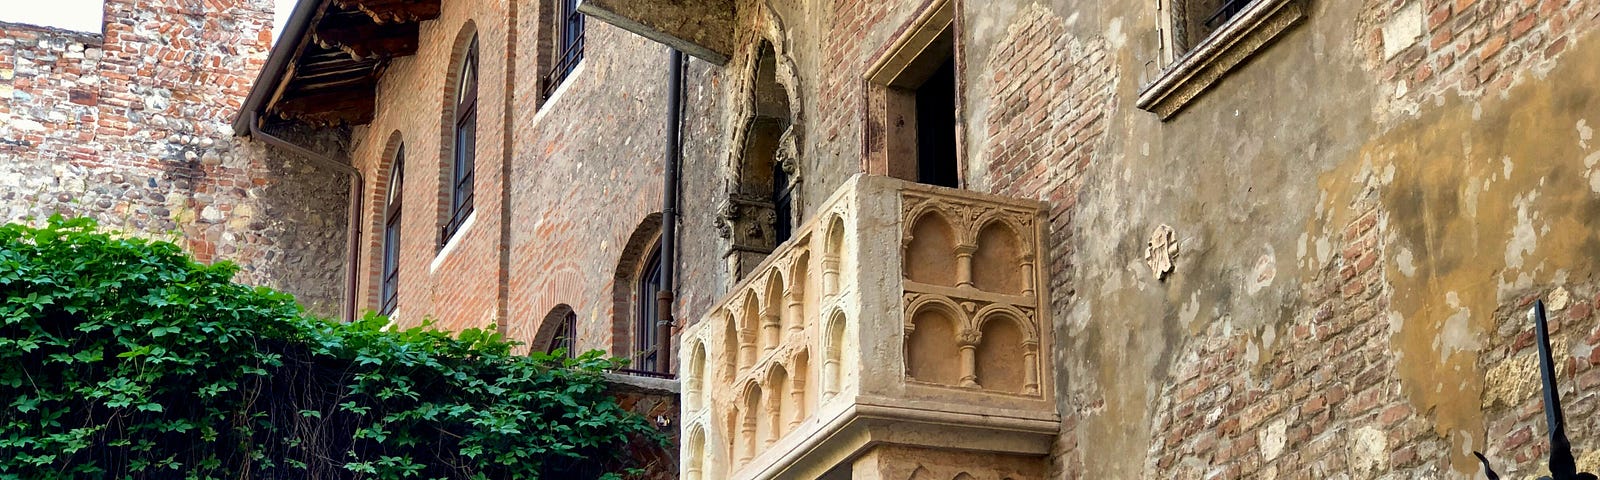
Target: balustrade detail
(895,298)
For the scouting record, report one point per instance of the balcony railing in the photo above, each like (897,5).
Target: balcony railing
(898,304)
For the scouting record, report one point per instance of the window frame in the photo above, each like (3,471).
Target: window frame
(565,335)
(464,151)
(646,352)
(571,30)
(389,275)
(1187,75)
(894,79)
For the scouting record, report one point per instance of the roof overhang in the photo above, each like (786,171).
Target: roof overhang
(324,70)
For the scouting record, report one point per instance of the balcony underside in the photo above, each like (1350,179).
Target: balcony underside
(701,28)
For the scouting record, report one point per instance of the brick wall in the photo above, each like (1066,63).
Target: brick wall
(131,126)
(456,284)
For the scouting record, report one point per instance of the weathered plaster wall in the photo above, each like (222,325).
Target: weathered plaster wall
(1361,212)
(1358,232)
(130,126)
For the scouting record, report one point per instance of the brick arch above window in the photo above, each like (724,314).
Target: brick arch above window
(625,296)
(559,329)
(458,135)
(375,208)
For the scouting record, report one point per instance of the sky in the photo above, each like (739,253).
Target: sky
(84,15)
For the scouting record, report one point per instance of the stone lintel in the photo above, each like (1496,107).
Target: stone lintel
(701,28)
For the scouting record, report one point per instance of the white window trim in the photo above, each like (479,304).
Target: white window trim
(450,246)
(1241,37)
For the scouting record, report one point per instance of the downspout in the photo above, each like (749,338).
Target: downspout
(353,230)
(669,211)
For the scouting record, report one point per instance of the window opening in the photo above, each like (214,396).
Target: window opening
(1197,19)
(646,336)
(463,169)
(389,291)
(913,103)
(569,45)
(936,127)
(565,330)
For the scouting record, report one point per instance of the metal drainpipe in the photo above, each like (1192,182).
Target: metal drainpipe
(669,211)
(353,232)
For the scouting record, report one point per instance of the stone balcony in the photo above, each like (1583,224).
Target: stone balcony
(903,319)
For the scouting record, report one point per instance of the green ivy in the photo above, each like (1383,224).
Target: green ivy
(124,358)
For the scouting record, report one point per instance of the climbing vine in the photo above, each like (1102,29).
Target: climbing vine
(124,358)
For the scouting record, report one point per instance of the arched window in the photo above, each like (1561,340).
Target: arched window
(389,290)
(566,329)
(463,169)
(646,336)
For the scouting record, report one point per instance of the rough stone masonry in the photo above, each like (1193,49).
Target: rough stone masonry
(131,126)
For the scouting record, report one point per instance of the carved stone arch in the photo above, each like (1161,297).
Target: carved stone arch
(695,453)
(924,302)
(772,309)
(833,253)
(775,389)
(930,247)
(1023,319)
(749,406)
(695,379)
(933,341)
(797,290)
(1006,357)
(920,473)
(1005,218)
(763,170)
(833,336)
(748,323)
(728,343)
(800,394)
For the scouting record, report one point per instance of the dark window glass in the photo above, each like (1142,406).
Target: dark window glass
(936,128)
(564,333)
(646,336)
(389,291)
(463,169)
(782,203)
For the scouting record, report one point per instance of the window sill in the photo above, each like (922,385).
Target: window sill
(561,88)
(1194,72)
(450,246)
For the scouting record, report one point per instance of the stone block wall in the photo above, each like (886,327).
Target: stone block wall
(131,126)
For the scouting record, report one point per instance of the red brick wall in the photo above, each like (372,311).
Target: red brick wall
(456,286)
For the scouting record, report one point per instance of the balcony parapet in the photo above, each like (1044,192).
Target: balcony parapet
(901,313)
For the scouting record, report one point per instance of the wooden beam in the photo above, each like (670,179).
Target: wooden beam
(364,39)
(394,11)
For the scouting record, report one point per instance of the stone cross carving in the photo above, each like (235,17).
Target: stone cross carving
(1161,251)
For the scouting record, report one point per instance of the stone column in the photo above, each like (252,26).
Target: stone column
(969,358)
(964,264)
(770,327)
(747,349)
(796,306)
(1030,367)
(830,275)
(1027,274)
